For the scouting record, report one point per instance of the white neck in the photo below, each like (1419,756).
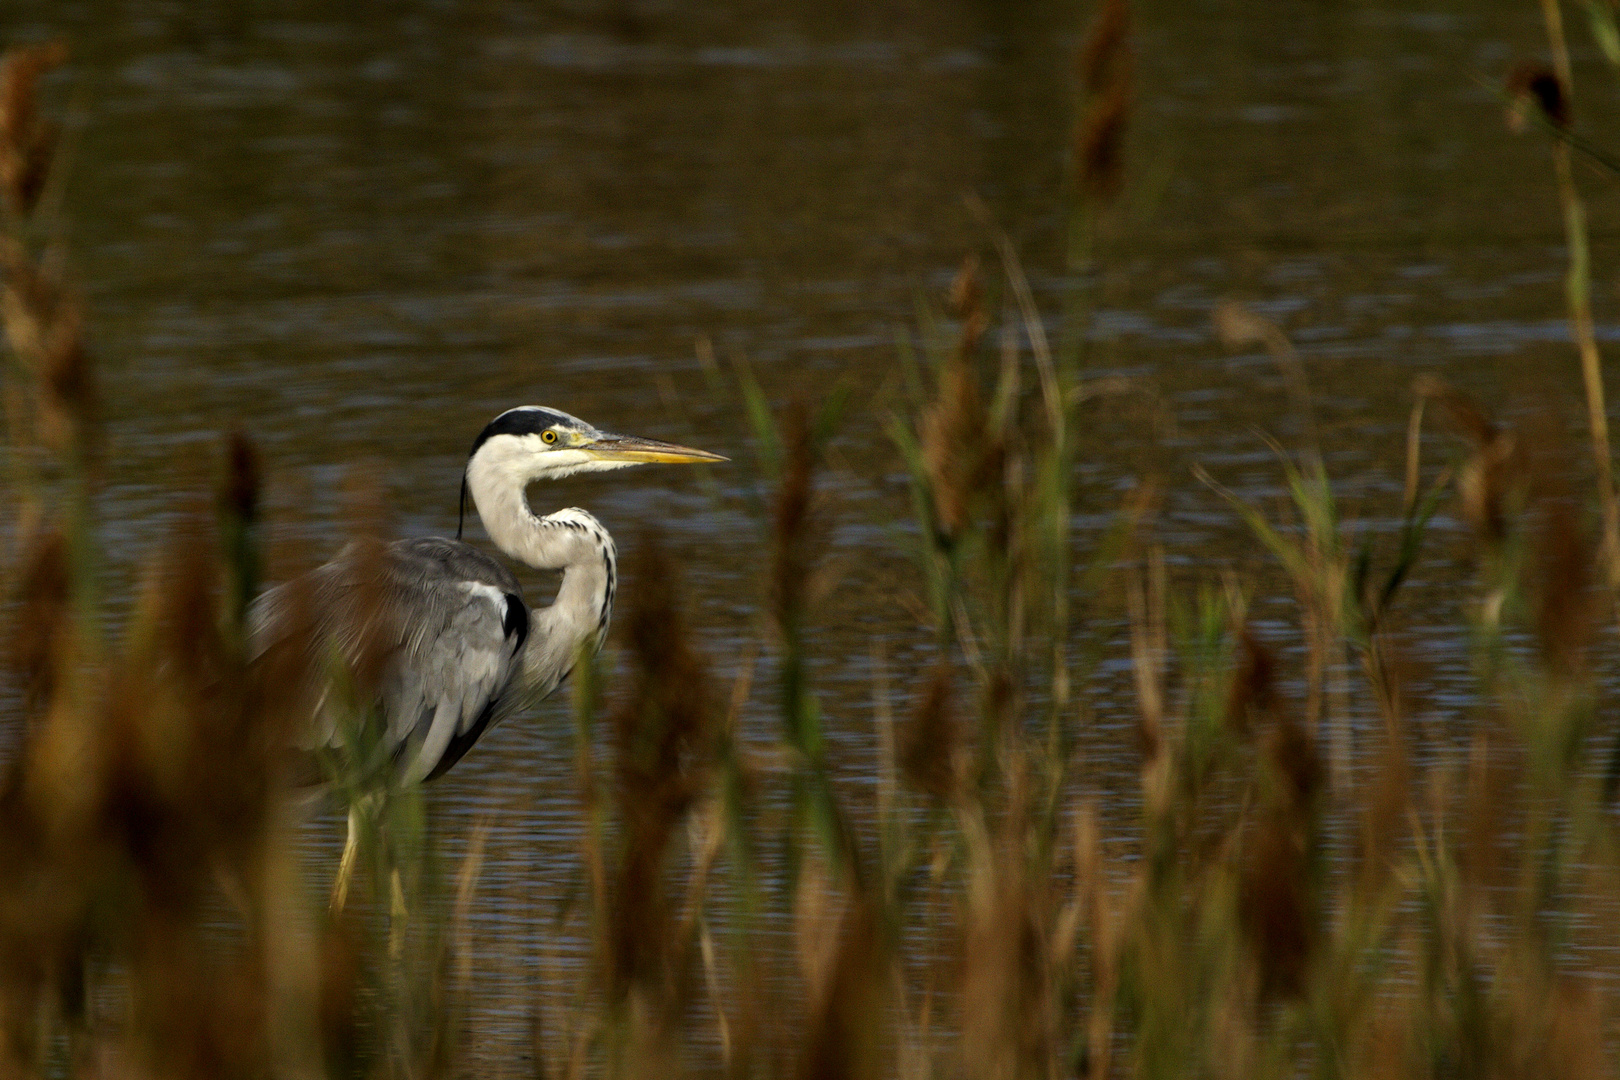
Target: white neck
(570,540)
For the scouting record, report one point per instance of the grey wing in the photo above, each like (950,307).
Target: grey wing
(448,624)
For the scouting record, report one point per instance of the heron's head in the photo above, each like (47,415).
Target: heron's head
(537,443)
(532,443)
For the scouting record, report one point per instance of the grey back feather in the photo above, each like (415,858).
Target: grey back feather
(444,624)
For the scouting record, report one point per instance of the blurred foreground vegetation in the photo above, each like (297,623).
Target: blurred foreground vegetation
(1298,894)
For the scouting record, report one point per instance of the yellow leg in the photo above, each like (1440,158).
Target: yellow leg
(396,916)
(351,847)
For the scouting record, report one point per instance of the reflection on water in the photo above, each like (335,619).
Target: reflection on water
(362,231)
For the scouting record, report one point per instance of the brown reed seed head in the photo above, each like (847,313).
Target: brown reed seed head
(956,452)
(1566,602)
(1253,692)
(844,1036)
(1107,47)
(1100,147)
(1275,893)
(43,620)
(44,324)
(1464,414)
(370,625)
(69,402)
(663,744)
(190,782)
(50,804)
(1275,904)
(29,302)
(1494,474)
(1536,86)
(930,744)
(58,770)
(967,303)
(1291,752)
(26,141)
(1104,75)
(1006,985)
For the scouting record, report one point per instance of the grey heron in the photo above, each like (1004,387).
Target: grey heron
(459,648)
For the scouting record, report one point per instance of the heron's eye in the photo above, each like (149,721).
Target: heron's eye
(549,437)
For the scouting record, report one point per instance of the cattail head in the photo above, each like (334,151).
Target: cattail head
(950,427)
(29,300)
(58,773)
(1494,806)
(963,453)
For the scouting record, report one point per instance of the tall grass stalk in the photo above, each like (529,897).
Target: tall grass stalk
(1578,287)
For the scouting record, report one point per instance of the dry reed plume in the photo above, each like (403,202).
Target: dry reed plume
(27,140)
(663,738)
(1105,64)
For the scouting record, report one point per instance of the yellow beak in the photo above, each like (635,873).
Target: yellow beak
(644,451)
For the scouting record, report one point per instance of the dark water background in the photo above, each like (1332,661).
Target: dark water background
(361,230)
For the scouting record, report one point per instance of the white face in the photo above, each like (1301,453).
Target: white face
(548,455)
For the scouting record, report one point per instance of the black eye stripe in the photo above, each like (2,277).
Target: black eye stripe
(525,420)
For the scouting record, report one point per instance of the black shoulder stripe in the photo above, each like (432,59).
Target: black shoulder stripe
(461,505)
(516,622)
